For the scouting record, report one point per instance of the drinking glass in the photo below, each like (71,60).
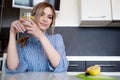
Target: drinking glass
(27,15)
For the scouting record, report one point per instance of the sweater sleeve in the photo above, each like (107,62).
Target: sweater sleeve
(60,47)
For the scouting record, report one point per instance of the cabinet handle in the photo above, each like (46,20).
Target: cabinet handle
(73,65)
(102,65)
(96,16)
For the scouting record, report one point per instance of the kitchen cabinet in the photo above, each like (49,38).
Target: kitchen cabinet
(94,12)
(106,66)
(0,14)
(7,15)
(76,66)
(115,9)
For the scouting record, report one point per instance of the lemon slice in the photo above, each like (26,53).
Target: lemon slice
(94,70)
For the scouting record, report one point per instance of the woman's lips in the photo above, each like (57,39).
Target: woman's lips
(43,24)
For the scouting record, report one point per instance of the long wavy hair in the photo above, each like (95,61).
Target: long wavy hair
(36,12)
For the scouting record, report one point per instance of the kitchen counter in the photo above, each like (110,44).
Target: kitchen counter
(39,76)
(93,58)
(42,76)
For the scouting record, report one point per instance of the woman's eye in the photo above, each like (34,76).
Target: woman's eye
(42,14)
(50,17)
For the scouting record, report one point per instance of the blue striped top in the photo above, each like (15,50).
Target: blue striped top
(33,58)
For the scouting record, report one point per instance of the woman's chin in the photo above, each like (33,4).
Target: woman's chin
(43,29)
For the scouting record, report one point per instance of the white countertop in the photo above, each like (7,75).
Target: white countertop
(89,58)
(105,73)
(93,58)
(44,76)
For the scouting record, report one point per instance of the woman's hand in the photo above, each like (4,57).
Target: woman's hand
(17,27)
(32,27)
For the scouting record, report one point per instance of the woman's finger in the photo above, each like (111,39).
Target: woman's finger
(18,26)
(22,19)
(31,21)
(26,23)
(22,26)
(29,28)
(15,26)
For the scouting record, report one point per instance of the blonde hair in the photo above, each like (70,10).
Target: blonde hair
(37,10)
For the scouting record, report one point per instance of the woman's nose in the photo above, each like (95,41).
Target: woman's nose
(45,19)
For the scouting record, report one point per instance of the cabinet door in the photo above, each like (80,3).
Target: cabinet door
(76,66)
(116,9)
(106,66)
(9,13)
(95,9)
(0,13)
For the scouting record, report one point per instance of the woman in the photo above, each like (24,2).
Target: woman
(40,51)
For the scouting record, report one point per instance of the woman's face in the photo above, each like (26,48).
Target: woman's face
(45,19)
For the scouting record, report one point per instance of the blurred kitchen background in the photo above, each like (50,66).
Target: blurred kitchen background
(88,27)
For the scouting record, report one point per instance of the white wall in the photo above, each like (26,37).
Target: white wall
(68,14)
